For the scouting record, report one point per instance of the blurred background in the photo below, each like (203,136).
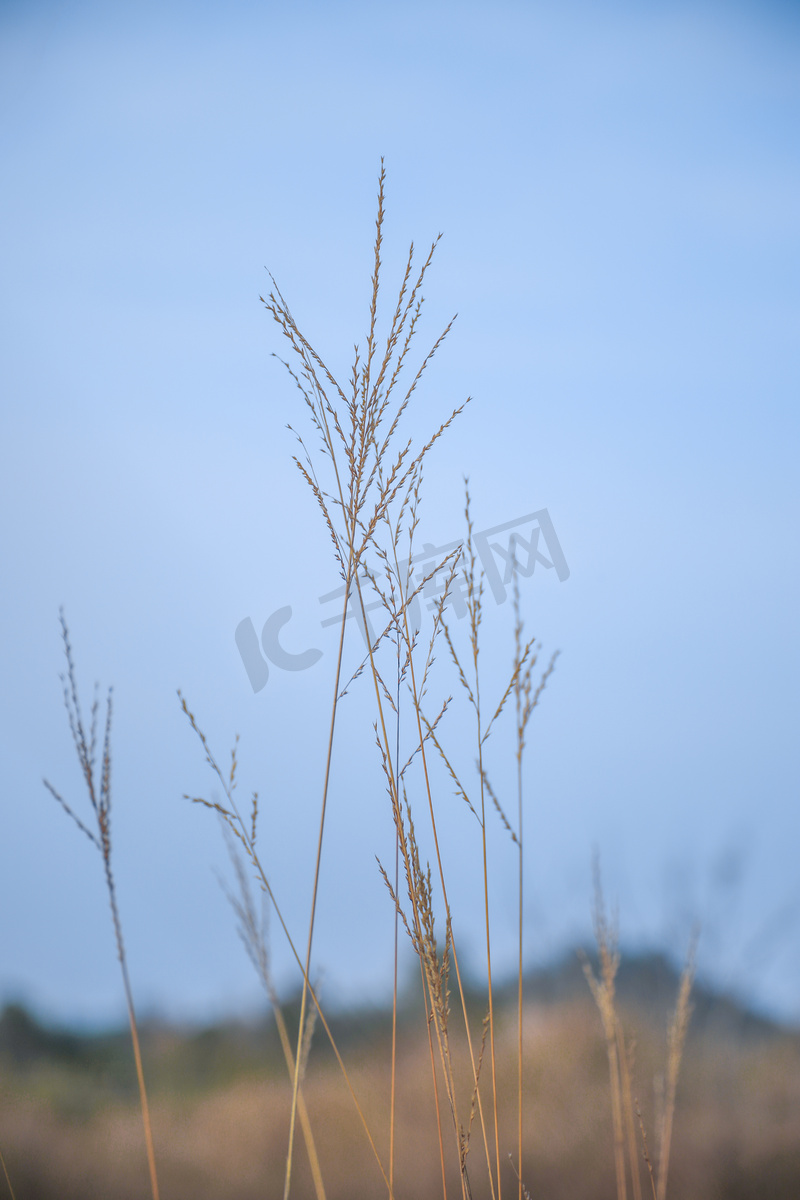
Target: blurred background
(618,187)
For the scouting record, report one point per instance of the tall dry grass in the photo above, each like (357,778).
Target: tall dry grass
(364,475)
(628,1158)
(98,786)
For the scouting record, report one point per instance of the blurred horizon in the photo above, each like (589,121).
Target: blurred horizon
(647,984)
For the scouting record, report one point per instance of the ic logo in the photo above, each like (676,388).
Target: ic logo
(248,645)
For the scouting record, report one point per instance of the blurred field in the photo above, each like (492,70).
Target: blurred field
(70,1125)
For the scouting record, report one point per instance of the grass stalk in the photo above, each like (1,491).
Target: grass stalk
(395,969)
(625,1053)
(246,836)
(620,1058)
(99,790)
(6,1175)
(315,892)
(522,689)
(429,796)
(373,486)
(525,700)
(646,1154)
(437,1106)
(474,609)
(676,1039)
(395,958)
(357,430)
(359,437)
(253,935)
(604,991)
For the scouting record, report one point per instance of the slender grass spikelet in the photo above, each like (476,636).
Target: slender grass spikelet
(98,784)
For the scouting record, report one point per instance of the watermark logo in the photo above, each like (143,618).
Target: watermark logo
(524,544)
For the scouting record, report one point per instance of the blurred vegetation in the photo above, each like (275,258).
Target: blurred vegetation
(70,1125)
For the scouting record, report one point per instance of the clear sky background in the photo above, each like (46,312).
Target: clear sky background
(619,187)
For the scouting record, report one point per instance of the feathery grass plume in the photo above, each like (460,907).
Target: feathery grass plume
(99,789)
(620,1056)
(357,427)
(604,992)
(474,603)
(396,587)
(244,833)
(417,691)
(473,586)
(396,596)
(435,968)
(526,699)
(419,884)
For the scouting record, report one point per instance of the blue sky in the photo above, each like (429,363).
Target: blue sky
(618,188)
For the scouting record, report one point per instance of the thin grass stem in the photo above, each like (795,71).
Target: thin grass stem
(675,1044)
(242,831)
(315,892)
(6,1175)
(99,790)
